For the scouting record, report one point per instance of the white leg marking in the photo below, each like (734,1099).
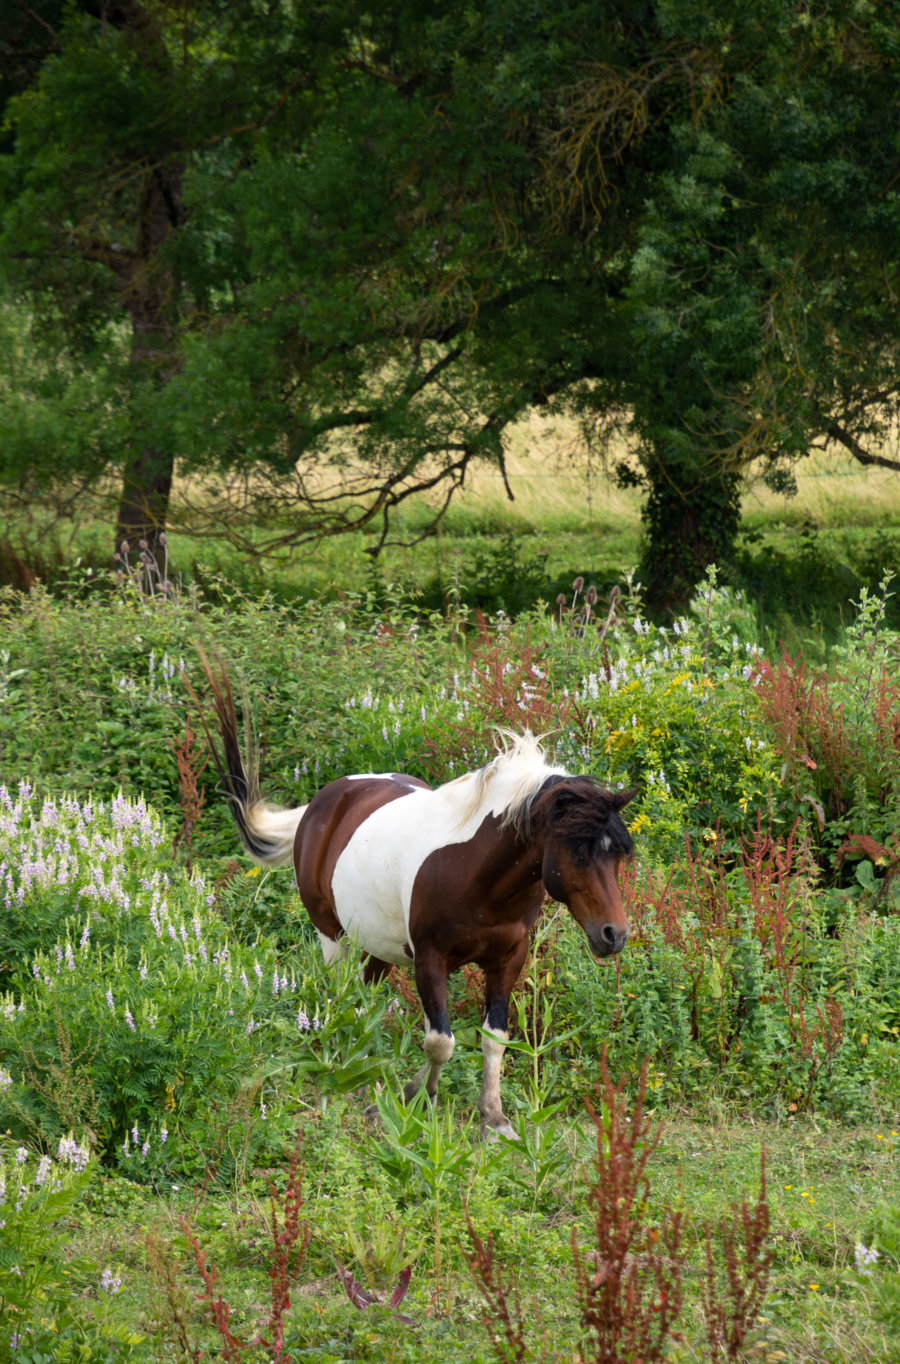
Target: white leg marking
(438,1047)
(331,950)
(493,1045)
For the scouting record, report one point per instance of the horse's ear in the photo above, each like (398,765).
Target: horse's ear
(619,799)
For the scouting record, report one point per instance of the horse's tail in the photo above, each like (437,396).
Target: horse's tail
(266,831)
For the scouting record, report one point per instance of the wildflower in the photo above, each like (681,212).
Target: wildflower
(163,1135)
(73,1154)
(135,1134)
(21,1155)
(109,1282)
(129,1020)
(865,1256)
(303,1022)
(110,1001)
(44,1166)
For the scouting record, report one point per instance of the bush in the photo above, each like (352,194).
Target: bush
(39,1281)
(147,1013)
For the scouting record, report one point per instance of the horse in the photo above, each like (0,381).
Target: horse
(441,876)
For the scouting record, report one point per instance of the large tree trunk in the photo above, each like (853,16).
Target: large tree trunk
(144,501)
(688,525)
(150,294)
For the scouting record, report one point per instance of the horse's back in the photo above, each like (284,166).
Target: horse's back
(332,818)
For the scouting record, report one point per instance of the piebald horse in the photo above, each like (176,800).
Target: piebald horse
(438,877)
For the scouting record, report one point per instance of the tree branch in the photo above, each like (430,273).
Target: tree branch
(844,437)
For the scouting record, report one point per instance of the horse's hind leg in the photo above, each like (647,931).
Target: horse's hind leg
(431,983)
(332,949)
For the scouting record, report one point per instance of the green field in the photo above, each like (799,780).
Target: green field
(762,985)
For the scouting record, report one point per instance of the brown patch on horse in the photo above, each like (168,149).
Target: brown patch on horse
(330,821)
(477,901)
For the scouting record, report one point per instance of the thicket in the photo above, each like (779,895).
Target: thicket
(168,1002)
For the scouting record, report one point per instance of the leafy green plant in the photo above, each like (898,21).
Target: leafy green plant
(39,1281)
(423,1147)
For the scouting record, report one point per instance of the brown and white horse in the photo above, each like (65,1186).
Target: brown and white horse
(440,877)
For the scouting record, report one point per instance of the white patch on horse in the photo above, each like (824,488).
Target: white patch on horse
(374,875)
(438,1047)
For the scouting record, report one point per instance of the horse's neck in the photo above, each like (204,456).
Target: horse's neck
(512,863)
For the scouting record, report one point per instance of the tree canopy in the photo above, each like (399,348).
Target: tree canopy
(321,256)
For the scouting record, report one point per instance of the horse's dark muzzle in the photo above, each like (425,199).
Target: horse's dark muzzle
(607,941)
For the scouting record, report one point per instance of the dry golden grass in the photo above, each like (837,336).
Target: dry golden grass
(557,484)
(552,475)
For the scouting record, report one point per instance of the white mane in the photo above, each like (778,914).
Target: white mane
(508,784)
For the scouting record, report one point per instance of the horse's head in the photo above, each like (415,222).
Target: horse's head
(585,842)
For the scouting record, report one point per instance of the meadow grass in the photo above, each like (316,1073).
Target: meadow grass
(568,517)
(825,1183)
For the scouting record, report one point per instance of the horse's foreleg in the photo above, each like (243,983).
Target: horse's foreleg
(498,984)
(431,983)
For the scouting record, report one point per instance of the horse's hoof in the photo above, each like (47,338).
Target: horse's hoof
(500,1131)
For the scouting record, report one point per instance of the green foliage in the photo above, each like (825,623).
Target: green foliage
(367,241)
(39,1281)
(148,1013)
(839,735)
(102,701)
(423,1148)
(671,710)
(741,966)
(878,1256)
(740,981)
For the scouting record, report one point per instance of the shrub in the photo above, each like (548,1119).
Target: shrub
(147,1013)
(39,1281)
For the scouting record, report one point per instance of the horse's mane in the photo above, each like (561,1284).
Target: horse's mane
(519,771)
(539,799)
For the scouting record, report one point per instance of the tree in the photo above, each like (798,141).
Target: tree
(129,99)
(350,246)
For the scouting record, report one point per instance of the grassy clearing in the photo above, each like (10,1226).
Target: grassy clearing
(802,555)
